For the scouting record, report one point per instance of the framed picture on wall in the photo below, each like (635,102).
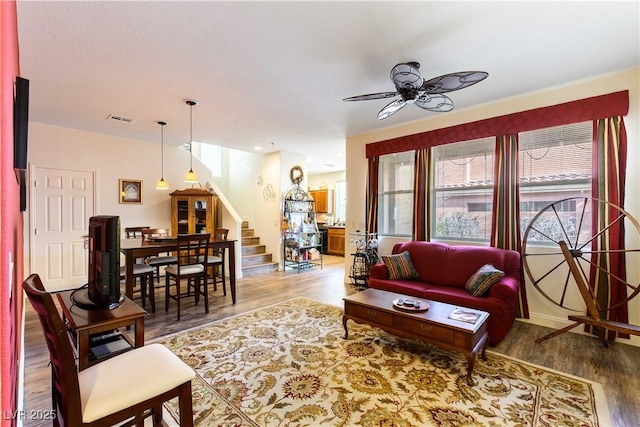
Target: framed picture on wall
(130,191)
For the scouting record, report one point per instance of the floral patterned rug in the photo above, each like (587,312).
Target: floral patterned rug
(289,365)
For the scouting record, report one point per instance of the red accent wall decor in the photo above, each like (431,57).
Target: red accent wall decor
(597,107)
(11,221)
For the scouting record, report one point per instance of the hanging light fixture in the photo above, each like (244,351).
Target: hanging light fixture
(191,176)
(162,184)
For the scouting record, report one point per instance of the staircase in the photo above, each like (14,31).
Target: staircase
(255,260)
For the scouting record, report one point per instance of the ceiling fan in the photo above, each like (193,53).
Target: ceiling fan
(413,89)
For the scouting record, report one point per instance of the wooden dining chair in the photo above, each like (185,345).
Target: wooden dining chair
(134,232)
(160,260)
(216,261)
(191,251)
(142,273)
(124,388)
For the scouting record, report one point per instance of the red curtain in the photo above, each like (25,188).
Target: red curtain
(597,107)
(505,223)
(421,195)
(608,184)
(372,195)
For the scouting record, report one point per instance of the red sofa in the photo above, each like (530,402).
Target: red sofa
(443,271)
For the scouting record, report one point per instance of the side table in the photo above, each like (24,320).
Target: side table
(83,323)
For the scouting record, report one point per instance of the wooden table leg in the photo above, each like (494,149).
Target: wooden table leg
(128,276)
(471,357)
(139,337)
(83,349)
(232,271)
(344,325)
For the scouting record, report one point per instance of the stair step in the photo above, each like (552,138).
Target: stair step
(250,241)
(255,270)
(256,259)
(253,249)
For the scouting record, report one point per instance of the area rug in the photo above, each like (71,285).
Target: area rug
(289,365)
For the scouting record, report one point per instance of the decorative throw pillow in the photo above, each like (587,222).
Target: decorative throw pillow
(400,266)
(483,279)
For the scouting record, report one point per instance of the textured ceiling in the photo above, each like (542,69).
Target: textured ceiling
(273,74)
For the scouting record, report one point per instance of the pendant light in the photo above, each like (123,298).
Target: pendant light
(162,184)
(191,176)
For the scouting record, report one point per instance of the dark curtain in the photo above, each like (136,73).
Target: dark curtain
(608,184)
(421,195)
(505,223)
(372,194)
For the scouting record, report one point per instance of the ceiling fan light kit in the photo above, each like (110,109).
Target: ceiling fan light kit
(191,176)
(413,89)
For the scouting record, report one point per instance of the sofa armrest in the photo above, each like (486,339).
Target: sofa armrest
(506,289)
(379,271)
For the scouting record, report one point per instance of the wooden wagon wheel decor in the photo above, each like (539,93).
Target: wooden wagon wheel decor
(558,254)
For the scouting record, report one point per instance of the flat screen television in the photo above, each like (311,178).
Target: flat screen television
(103,287)
(20,123)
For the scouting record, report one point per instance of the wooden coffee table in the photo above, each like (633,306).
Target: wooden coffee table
(375,307)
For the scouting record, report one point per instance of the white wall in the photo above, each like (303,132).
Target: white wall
(111,159)
(114,158)
(328,180)
(541,311)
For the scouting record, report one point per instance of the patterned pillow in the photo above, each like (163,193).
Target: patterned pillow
(400,266)
(483,279)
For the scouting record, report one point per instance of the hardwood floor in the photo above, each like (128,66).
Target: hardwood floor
(617,368)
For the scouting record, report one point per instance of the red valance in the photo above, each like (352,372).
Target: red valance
(597,107)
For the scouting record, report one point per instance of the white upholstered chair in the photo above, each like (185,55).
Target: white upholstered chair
(126,387)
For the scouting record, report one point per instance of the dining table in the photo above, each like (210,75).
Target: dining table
(133,249)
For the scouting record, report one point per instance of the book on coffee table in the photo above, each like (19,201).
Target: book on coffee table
(464,315)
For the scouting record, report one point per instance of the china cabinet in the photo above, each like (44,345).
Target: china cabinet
(193,211)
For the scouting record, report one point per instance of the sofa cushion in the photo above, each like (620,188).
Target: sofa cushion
(483,279)
(400,266)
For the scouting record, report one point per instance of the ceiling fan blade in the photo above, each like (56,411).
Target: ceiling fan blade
(453,81)
(406,76)
(439,103)
(380,95)
(391,108)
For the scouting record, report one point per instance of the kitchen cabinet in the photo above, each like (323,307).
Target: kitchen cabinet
(323,199)
(193,211)
(336,243)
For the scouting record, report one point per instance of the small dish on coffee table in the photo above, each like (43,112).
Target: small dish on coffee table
(410,304)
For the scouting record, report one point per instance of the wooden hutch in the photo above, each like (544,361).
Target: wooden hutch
(193,210)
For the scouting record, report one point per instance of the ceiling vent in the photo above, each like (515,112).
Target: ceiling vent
(119,118)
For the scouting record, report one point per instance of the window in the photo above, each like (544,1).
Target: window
(395,194)
(463,190)
(555,164)
(210,156)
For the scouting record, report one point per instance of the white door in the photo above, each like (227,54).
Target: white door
(63,203)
